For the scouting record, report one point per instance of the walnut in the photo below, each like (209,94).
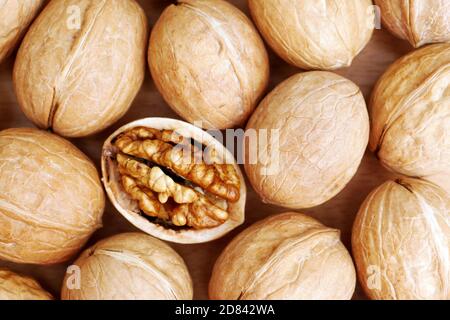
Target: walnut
(51,197)
(129,266)
(209,62)
(418,21)
(148,187)
(173,180)
(81,64)
(315,129)
(410,115)
(15,17)
(17,287)
(401,241)
(288,256)
(313,34)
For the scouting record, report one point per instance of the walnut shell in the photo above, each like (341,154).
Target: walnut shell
(401,241)
(15,17)
(418,21)
(17,287)
(209,62)
(79,79)
(312,34)
(409,112)
(128,208)
(287,256)
(322,125)
(51,197)
(130,266)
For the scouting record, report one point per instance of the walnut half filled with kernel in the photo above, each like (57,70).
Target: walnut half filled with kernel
(173,180)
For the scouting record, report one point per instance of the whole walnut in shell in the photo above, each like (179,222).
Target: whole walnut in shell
(312,132)
(51,197)
(401,241)
(17,287)
(209,62)
(311,34)
(288,256)
(129,266)
(418,21)
(410,113)
(81,65)
(15,17)
(173,180)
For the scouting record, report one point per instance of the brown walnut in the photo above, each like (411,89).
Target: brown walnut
(312,131)
(288,256)
(15,17)
(209,62)
(51,197)
(81,64)
(18,287)
(418,21)
(311,34)
(410,113)
(401,241)
(129,266)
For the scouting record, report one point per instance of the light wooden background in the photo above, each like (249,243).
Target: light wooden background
(338,213)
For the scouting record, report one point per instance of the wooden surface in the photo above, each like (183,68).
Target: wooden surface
(337,213)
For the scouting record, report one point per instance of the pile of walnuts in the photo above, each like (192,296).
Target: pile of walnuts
(78,69)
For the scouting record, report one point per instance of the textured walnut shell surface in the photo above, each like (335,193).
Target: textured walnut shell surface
(323,128)
(92,74)
(418,21)
(312,34)
(15,17)
(288,256)
(130,266)
(51,198)
(17,287)
(129,209)
(410,113)
(401,241)
(209,62)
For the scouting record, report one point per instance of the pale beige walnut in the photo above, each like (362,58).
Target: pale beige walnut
(311,34)
(401,241)
(418,21)
(410,113)
(312,132)
(51,198)
(193,211)
(129,266)
(15,17)
(209,62)
(288,256)
(81,64)
(18,287)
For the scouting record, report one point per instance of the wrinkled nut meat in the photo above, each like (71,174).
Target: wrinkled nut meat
(287,256)
(15,16)
(51,199)
(17,287)
(410,114)
(401,241)
(209,62)
(81,65)
(418,21)
(148,184)
(129,266)
(177,183)
(311,34)
(312,131)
